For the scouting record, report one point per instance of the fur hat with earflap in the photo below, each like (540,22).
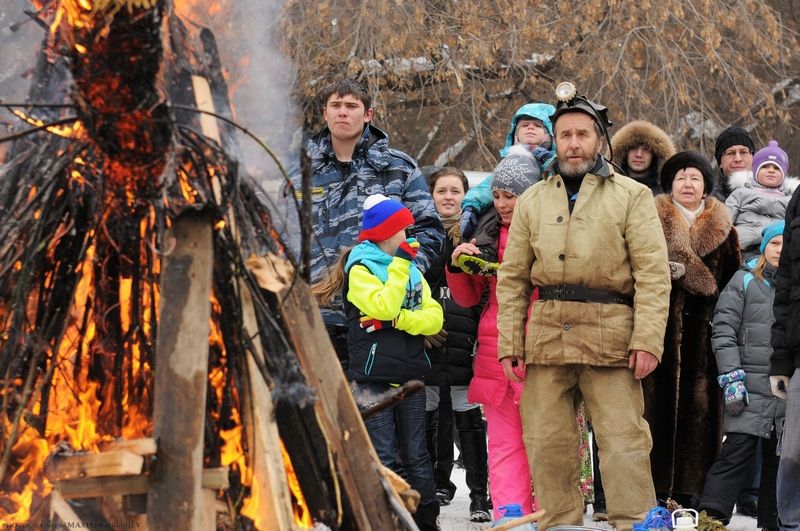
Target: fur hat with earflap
(641,133)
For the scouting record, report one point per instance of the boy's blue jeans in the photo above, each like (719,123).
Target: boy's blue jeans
(401,428)
(789,468)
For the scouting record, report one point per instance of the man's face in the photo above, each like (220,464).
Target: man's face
(577,143)
(736,158)
(531,132)
(639,159)
(345,116)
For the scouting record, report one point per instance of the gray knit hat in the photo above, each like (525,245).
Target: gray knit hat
(517,172)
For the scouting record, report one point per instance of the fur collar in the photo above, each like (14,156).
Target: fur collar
(688,245)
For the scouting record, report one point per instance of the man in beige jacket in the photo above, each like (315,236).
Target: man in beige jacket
(591,241)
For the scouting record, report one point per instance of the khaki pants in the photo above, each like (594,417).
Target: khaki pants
(614,402)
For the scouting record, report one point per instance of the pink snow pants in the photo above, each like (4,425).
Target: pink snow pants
(509,475)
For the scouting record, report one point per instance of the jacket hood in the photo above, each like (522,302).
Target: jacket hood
(746,179)
(373,140)
(540,111)
(641,132)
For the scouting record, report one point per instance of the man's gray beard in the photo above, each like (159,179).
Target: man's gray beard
(574,170)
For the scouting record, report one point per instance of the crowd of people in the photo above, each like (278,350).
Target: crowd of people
(642,296)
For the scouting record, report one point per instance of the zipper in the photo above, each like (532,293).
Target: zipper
(370,359)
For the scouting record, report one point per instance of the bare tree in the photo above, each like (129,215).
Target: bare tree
(447,75)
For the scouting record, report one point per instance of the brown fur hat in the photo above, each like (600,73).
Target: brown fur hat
(642,132)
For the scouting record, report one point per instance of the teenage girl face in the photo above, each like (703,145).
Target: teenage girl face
(448,191)
(772,252)
(504,203)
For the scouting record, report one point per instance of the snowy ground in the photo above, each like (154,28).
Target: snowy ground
(455,517)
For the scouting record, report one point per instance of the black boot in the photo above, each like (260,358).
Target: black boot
(472,432)
(426,517)
(444,492)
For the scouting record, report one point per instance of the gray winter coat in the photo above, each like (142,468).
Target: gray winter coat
(740,338)
(752,209)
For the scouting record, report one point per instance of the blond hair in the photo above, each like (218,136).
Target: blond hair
(758,270)
(326,289)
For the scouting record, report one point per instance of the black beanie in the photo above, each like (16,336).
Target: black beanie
(732,136)
(681,161)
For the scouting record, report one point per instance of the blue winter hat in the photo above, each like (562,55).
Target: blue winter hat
(770,231)
(383,218)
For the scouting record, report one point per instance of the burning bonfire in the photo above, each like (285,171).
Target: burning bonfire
(159,361)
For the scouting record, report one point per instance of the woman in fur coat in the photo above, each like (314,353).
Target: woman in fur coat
(683,402)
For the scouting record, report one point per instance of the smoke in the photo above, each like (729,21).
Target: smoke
(258,75)
(20,41)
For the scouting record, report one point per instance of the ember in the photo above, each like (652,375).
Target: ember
(101,199)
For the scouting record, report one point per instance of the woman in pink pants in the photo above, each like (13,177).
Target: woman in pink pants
(471,279)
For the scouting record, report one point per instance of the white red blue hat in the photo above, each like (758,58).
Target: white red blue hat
(383,218)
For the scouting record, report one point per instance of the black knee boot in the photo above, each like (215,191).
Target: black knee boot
(472,432)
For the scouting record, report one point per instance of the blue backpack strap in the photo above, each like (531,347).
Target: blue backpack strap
(747,278)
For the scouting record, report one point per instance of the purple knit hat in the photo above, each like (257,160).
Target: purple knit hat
(772,154)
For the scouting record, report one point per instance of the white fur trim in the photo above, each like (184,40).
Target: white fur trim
(790,184)
(740,179)
(519,150)
(373,200)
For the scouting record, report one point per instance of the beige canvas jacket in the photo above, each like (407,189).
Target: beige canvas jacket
(612,241)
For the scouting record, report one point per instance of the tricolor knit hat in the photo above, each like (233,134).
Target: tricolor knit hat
(772,154)
(517,172)
(383,218)
(732,136)
(770,231)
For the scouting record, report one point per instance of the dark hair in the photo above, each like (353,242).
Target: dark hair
(448,171)
(346,87)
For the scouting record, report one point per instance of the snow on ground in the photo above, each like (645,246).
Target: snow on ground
(455,517)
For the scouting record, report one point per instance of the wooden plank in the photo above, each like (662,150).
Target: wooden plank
(272,489)
(340,420)
(144,446)
(118,463)
(61,509)
(213,478)
(175,498)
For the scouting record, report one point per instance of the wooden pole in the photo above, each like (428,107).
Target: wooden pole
(270,488)
(175,498)
(340,419)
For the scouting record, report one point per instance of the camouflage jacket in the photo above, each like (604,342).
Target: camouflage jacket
(338,191)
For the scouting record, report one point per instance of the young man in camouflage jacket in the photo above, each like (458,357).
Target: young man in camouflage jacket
(351,159)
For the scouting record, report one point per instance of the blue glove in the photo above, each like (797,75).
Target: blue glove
(735,392)
(469,222)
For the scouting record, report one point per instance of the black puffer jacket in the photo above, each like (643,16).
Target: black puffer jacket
(451,363)
(786,328)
